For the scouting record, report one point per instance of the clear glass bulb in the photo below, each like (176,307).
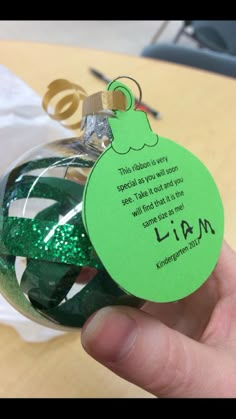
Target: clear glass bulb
(49,270)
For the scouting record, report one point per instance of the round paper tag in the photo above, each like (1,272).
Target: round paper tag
(152,211)
(155,218)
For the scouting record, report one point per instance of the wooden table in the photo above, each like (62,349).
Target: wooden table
(199,112)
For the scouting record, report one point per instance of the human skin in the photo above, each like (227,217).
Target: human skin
(181,349)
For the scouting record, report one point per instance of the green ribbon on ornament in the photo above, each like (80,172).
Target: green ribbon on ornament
(56,247)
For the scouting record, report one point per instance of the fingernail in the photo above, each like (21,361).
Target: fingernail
(110,335)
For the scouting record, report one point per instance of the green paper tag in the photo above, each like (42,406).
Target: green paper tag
(153,212)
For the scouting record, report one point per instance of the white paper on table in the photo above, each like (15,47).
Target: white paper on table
(23,125)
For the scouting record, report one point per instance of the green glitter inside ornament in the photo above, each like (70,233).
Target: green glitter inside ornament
(49,270)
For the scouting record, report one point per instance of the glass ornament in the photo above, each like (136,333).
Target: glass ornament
(49,270)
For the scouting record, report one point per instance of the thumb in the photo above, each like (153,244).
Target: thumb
(147,353)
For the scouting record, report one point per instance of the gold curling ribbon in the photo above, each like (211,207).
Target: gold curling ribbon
(71,101)
(113,100)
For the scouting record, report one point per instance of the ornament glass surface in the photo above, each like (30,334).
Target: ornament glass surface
(49,270)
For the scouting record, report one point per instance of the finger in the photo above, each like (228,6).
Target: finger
(149,354)
(184,315)
(221,328)
(225,271)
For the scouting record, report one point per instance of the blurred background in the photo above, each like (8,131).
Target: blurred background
(205,44)
(122,36)
(63,369)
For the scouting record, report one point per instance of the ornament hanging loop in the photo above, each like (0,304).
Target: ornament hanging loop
(133,100)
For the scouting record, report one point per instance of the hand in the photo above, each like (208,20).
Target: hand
(181,349)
